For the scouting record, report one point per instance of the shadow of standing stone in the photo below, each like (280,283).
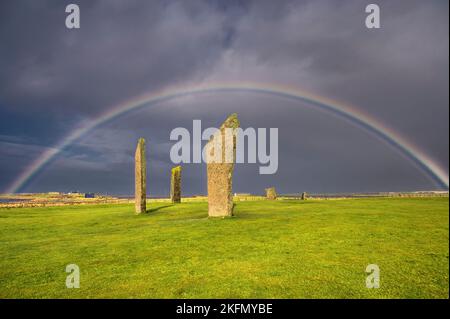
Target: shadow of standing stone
(220,153)
(175,185)
(140,191)
(271,193)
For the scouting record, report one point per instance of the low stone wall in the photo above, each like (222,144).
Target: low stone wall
(104,201)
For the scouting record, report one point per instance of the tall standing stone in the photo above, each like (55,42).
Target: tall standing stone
(220,155)
(175,185)
(271,193)
(304,196)
(140,171)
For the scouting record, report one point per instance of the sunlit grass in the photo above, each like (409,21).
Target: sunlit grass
(270,249)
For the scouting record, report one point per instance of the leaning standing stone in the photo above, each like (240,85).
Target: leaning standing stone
(220,157)
(271,193)
(175,185)
(140,178)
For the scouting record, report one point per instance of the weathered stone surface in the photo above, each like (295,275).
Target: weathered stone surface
(220,157)
(304,196)
(271,193)
(175,185)
(140,189)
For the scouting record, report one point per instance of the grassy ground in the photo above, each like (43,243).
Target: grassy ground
(281,249)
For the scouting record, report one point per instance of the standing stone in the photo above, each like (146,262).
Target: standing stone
(304,196)
(271,193)
(140,184)
(220,155)
(175,185)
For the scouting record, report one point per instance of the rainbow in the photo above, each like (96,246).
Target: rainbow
(351,114)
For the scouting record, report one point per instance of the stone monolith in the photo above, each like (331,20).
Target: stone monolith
(140,194)
(304,196)
(220,155)
(271,193)
(175,185)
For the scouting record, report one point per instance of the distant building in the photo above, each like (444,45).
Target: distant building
(242,194)
(89,195)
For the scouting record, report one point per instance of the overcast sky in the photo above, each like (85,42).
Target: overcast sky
(52,79)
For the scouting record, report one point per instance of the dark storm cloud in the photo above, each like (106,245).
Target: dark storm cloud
(52,78)
(122,49)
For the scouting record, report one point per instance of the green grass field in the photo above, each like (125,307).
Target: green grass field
(278,249)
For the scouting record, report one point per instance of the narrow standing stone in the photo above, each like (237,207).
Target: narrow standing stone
(271,193)
(220,157)
(304,196)
(175,185)
(140,171)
